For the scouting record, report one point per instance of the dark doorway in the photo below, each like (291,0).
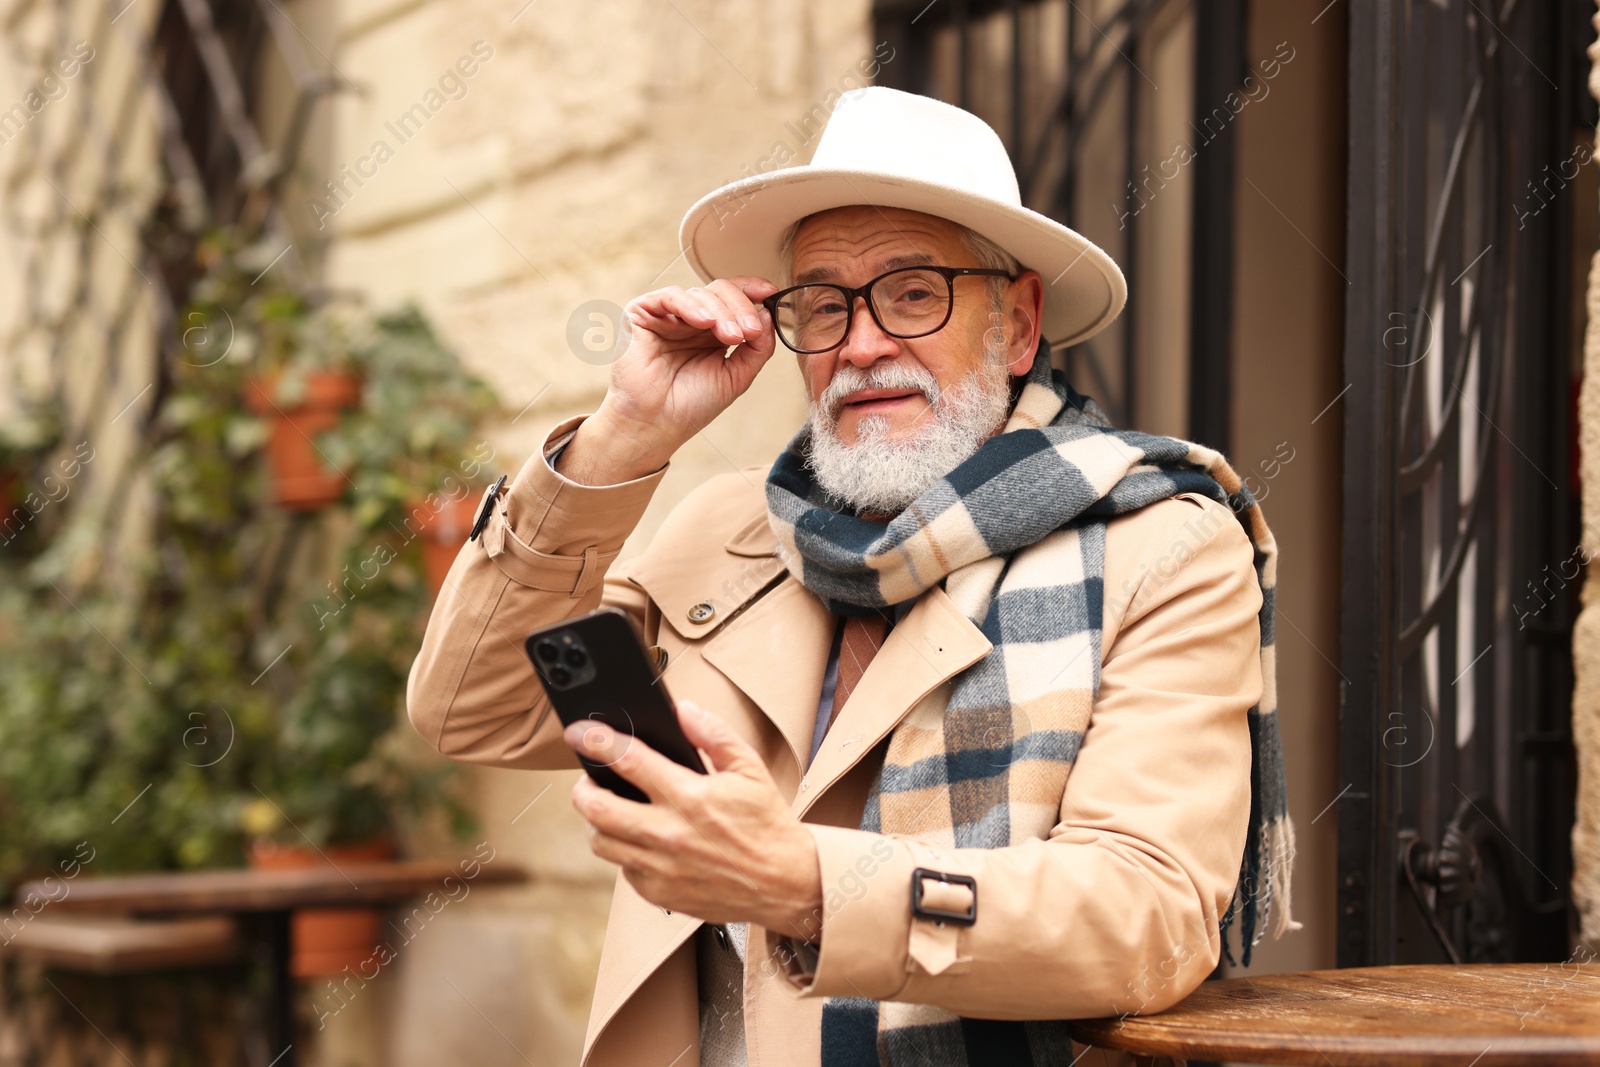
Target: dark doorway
(1468,126)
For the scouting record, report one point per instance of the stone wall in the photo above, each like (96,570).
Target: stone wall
(555,150)
(80,169)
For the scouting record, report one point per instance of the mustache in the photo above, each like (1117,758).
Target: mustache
(892,375)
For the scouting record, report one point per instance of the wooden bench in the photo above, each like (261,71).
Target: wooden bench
(263,903)
(103,944)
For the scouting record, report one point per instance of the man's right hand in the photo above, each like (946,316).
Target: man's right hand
(673,377)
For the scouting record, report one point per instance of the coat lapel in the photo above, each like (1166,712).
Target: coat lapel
(776,652)
(770,640)
(928,647)
(649,937)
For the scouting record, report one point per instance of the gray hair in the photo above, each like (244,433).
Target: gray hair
(986,252)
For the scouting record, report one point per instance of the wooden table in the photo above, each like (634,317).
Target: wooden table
(1483,1015)
(266,900)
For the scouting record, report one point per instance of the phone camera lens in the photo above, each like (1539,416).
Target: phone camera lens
(547,650)
(577,657)
(560,675)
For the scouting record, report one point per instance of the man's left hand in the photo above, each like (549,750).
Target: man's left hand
(722,846)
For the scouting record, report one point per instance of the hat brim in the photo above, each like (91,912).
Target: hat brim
(735,230)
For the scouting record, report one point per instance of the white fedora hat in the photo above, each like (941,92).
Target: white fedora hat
(889,148)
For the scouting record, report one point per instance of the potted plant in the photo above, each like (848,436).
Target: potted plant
(443,532)
(309,379)
(410,438)
(228,676)
(422,464)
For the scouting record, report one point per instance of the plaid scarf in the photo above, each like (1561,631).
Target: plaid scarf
(1017,534)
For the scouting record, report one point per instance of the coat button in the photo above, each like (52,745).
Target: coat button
(702,612)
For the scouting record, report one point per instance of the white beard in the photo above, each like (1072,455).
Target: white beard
(884,475)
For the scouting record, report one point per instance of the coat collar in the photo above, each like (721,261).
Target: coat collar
(777,651)
(681,575)
(771,636)
(928,647)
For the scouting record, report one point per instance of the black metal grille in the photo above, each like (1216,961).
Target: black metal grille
(1456,747)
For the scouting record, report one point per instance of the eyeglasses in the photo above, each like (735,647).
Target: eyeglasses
(905,302)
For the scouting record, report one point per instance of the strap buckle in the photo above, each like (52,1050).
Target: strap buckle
(923,911)
(485,509)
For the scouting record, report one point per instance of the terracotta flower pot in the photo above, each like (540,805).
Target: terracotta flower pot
(442,534)
(301,480)
(326,940)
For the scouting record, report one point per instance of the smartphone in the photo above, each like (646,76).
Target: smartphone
(594,667)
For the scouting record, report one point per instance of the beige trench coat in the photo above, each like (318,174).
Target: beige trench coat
(1114,913)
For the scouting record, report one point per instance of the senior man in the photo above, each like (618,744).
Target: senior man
(984,684)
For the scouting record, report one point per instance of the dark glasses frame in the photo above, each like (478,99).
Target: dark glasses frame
(950,274)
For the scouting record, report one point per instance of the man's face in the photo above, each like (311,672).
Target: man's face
(852,245)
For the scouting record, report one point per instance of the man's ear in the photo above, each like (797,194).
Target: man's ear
(1019,368)
(1025,306)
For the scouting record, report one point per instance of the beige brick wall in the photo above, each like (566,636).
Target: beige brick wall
(554,175)
(79,142)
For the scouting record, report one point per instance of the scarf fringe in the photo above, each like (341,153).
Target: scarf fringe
(1268,865)
(1280,869)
